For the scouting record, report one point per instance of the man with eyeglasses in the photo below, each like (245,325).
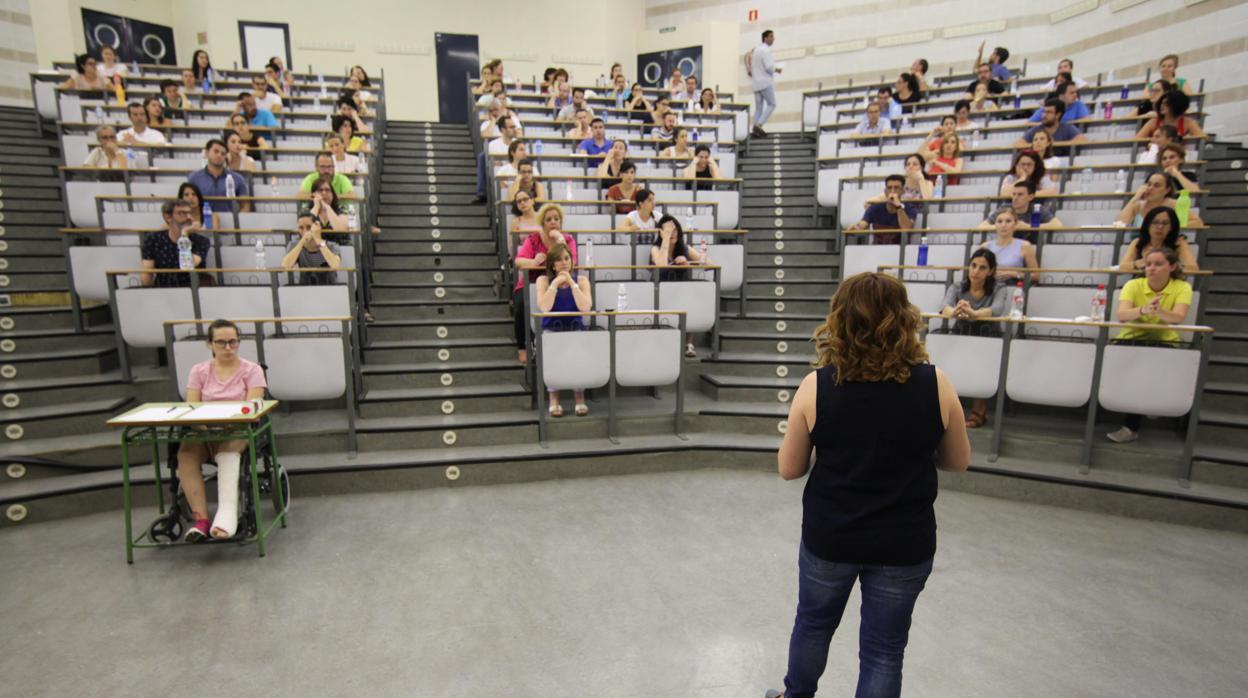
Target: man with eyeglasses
(160,249)
(890,214)
(106,155)
(264,97)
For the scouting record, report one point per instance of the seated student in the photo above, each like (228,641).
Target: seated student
(190,194)
(978,296)
(1160,230)
(160,249)
(106,155)
(578,103)
(708,102)
(111,68)
(328,213)
(487,81)
(311,251)
(489,122)
(662,107)
(948,162)
(201,65)
(984,77)
(1029,167)
(919,70)
(211,179)
(1157,190)
(156,118)
(139,133)
(562,290)
(87,75)
(344,162)
(236,157)
(526,182)
(891,214)
(1010,251)
(278,81)
(240,125)
(918,187)
(597,143)
(702,167)
(1166,71)
(325,168)
(517,151)
(889,108)
(947,125)
(689,95)
(609,169)
(644,218)
(524,214)
(1172,158)
(670,252)
(873,123)
(1172,111)
(226,377)
(189,85)
(246,105)
(507,132)
(637,102)
(581,129)
(362,96)
(680,145)
(981,99)
(1050,123)
(625,189)
(1153,92)
(1068,93)
(560,96)
(906,92)
(676,84)
(531,259)
(1162,136)
(490,90)
(962,120)
(1160,298)
(667,128)
(346,130)
(351,103)
(1042,145)
(265,98)
(996,60)
(1065,67)
(172,101)
(619,91)
(1029,213)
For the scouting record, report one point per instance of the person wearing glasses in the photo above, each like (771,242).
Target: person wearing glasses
(86,75)
(106,155)
(226,377)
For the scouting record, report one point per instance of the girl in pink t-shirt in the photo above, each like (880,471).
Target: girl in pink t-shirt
(531,258)
(227,377)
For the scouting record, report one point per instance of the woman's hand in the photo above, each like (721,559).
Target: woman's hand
(539,259)
(1152,307)
(680,260)
(564,279)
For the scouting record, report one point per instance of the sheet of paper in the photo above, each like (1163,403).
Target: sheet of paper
(214,410)
(158,414)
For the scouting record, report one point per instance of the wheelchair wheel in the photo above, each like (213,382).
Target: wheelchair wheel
(167,529)
(268,485)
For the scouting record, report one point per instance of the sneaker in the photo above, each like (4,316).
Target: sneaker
(1123,436)
(197,532)
(773,693)
(690,351)
(758,131)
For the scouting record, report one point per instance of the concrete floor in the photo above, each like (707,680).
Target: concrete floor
(675,584)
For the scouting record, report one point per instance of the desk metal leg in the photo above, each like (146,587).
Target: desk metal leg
(255,491)
(278,485)
(160,484)
(125,494)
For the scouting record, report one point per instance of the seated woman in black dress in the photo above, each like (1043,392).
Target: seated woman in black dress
(671,253)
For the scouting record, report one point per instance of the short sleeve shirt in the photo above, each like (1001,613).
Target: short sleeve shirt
(150,136)
(212,389)
(215,186)
(1138,292)
(533,246)
(269,101)
(881,218)
(1064,132)
(1001,72)
(589,146)
(314,260)
(158,248)
(341,183)
(264,118)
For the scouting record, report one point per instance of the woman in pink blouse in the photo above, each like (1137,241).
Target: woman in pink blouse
(531,259)
(226,377)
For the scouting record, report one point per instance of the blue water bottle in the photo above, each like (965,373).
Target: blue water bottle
(207,216)
(923,251)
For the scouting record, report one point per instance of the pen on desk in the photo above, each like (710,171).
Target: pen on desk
(172,409)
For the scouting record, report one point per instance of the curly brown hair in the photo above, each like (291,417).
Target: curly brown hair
(872,331)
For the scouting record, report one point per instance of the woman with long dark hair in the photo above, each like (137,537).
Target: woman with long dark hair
(1159,231)
(201,66)
(880,421)
(978,296)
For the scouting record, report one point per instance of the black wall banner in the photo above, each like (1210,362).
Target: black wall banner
(132,39)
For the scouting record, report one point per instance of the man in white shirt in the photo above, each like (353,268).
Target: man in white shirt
(264,98)
(690,93)
(507,133)
(139,133)
(762,69)
(568,112)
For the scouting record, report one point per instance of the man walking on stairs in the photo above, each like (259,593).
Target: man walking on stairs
(762,69)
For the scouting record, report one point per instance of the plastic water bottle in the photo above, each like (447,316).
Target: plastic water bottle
(1109,110)
(975,138)
(939,191)
(715,148)
(589,252)
(99,114)
(1014,85)
(1183,207)
(621,298)
(905,122)
(260,263)
(1109,79)
(1016,302)
(571,196)
(923,251)
(1098,304)
(688,222)
(1018,100)
(134,69)
(363,165)
(1120,183)
(273,192)
(1035,215)
(537,147)
(185,260)
(695,135)
(140,158)
(1086,185)
(230,189)
(1126,92)
(207,213)
(316,103)
(353,219)
(1095,254)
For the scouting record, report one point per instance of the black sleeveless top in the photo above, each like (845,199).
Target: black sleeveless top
(870,492)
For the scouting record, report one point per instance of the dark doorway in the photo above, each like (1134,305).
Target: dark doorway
(457,60)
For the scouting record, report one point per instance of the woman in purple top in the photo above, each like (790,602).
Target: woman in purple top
(226,377)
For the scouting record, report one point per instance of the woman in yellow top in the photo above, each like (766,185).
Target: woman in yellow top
(1161,298)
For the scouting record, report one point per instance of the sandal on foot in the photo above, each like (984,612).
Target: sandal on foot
(556,410)
(690,351)
(582,410)
(976,420)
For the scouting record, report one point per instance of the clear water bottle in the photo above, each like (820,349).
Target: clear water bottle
(363,164)
(140,158)
(537,148)
(1017,301)
(1014,85)
(134,69)
(1086,181)
(1109,79)
(939,190)
(905,122)
(975,138)
(230,187)
(589,252)
(621,298)
(1094,255)
(260,263)
(99,114)
(715,148)
(273,191)
(1098,304)
(1120,182)
(185,259)
(353,219)
(688,223)
(207,213)
(923,251)
(1035,215)
(571,196)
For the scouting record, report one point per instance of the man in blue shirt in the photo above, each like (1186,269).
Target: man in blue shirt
(211,179)
(1058,132)
(599,143)
(872,124)
(996,61)
(258,117)
(889,108)
(890,214)
(1068,92)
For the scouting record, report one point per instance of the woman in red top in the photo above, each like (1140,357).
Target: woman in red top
(1172,111)
(949,161)
(531,258)
(625,189)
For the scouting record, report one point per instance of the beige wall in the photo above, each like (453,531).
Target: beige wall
(17,52)
(718,40)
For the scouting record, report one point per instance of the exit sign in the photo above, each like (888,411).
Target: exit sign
(667,30)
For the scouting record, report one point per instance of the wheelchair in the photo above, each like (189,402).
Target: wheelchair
(168,528)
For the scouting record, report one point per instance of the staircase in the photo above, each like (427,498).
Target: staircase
(791,271)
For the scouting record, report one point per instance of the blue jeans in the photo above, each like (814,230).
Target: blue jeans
(483,164)
(764,105)
(888,596)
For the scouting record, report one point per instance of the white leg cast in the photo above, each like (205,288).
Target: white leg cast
(226,519)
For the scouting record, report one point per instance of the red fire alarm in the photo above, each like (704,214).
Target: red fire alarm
(753,15)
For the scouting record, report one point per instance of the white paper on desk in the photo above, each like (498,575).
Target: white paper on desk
(214,410)
(158,414)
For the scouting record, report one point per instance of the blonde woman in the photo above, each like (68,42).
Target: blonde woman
(530,261)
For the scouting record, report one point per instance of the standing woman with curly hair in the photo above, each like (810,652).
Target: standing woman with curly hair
(880,420)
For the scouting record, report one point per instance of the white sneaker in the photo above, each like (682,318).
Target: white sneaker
(1123,436)
(690,351)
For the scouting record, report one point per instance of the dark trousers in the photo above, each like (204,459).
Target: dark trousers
(517,312)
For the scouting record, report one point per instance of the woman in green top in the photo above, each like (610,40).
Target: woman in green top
(1160,298)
